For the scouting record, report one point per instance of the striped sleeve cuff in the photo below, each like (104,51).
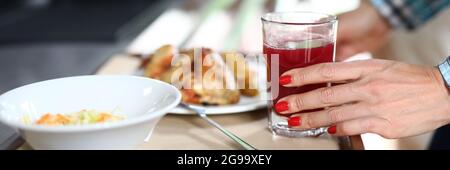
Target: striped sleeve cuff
(409,14)
(395,12)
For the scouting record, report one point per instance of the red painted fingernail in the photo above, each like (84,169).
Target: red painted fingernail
(332,129)
(285,80)
(295,121)
(282,106)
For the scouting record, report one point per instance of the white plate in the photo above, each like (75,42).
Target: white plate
(245,104)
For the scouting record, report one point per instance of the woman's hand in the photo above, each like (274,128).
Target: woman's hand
(360,31)
(388,98)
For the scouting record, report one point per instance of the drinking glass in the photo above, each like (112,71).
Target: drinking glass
(295,40)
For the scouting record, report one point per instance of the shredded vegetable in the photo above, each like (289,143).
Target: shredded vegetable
(83,117)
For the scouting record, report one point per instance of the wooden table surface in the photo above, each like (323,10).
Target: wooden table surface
(192,132)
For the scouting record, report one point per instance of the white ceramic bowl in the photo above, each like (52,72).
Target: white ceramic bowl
(143,101)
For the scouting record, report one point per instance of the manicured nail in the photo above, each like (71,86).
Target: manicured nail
(295,121)
(332,129)
(285,80)
(282,106)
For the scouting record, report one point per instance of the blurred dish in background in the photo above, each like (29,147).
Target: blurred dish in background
(228,83)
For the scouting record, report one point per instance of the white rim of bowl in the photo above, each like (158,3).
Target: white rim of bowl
(96,127)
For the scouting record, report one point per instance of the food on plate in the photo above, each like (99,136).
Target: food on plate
(243,72)
(166,64)
(82,117)
(160,62)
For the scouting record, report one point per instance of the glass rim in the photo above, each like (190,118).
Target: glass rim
(329,18)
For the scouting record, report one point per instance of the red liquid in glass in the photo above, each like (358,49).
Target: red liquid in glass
(298,58)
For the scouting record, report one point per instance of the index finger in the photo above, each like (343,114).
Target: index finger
(329,72)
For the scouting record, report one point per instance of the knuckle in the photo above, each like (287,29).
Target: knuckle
(359,87)
(300,77)
(335,115)
(298,102)
(373,89)
(311,122)
(369,126)
(374,126)
(327,95)
(327,71)
(344,130)
(354,89)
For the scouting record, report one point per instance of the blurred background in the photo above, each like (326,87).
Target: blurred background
(46,39)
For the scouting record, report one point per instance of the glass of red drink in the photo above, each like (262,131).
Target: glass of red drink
(295,40)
